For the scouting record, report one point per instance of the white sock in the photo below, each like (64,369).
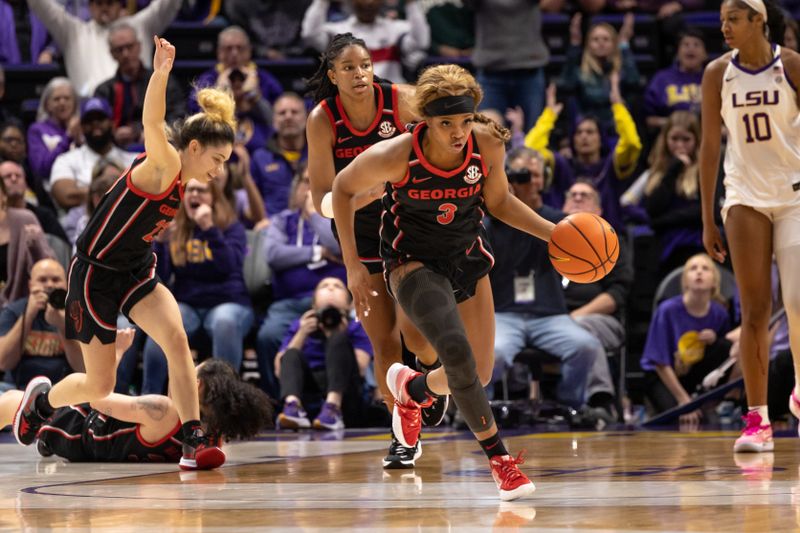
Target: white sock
(762,410)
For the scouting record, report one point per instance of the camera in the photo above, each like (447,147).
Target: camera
(519,176)
(329,317)
(57,298)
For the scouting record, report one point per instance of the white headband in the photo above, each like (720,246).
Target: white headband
(758,6)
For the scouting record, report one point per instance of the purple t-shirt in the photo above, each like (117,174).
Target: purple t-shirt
(314,348)
(671,323)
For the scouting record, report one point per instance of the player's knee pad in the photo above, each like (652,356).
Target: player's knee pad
(427,298)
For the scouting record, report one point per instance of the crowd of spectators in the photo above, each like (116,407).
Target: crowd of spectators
(600,127)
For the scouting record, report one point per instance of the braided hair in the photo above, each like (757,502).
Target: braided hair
(319,85)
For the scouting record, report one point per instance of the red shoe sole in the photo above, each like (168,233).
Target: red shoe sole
(206,459)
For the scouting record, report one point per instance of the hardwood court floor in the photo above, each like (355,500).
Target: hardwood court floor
(609,481)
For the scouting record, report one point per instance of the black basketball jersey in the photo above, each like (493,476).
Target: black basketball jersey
(122,228)
(349,142)
(434,213)
(109,439)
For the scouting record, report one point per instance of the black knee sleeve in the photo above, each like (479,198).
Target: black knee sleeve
(427,299)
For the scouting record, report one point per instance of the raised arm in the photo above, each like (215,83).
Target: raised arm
(163,162)
(500,202)
(709,154)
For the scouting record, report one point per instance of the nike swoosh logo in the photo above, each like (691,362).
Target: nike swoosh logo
(729,79)
(420,180)
(172,198)
(340,140)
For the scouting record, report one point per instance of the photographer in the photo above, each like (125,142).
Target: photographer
(32,339)
(323,352)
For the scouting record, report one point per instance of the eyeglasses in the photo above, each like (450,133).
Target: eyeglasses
(123,48)
(577,195)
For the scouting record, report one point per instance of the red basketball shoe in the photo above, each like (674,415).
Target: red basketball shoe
(406,415)
(511,482)
(200,453)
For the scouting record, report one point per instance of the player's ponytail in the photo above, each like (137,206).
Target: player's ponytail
(776,23)
(214,125)
(499,131)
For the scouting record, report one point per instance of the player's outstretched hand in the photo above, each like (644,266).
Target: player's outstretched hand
(164,55)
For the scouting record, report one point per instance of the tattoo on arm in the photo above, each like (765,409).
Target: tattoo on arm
(155,409)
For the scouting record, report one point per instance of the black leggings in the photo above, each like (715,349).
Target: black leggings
(340,374)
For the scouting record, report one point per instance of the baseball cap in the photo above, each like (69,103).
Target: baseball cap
(95,105)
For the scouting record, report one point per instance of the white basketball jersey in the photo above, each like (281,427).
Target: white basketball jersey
(762,159)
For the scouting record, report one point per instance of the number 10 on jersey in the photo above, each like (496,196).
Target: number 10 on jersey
(757,127)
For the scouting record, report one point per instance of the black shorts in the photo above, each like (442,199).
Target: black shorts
(63,433)
(367,224)
(463,270)
(96,296)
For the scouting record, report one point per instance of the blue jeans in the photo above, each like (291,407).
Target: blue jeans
(226,325)
(280,316)
(579,351)
(524,88)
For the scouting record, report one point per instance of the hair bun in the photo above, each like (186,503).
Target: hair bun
(218,105)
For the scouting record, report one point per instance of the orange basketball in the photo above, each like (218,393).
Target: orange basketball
(583,248)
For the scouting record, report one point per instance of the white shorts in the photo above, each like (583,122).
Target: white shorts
(785,223)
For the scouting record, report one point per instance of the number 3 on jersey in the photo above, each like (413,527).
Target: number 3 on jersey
(448,214)
(757,127)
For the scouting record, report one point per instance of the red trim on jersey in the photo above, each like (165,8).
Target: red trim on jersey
(105,221)
(378,114)
(387,53)
(396,109)
(428,166)
(485,252)
(483,163)
(124,228)
(164,439)
(133,289)
(90,307)
(403,182)
(155,197)
(331,119)
(60,432)
(117,433)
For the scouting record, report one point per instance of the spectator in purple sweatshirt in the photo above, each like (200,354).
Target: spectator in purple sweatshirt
(57,127)
(204,251)
(677,88)
(301,251)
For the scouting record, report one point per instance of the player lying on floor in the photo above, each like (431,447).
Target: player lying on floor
(123,428)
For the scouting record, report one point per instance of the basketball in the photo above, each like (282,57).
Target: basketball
(583,248)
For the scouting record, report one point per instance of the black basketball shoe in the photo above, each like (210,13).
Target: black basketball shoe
(400,456)
(434,414)
(27,420)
